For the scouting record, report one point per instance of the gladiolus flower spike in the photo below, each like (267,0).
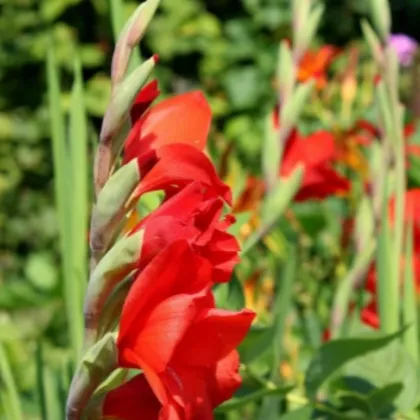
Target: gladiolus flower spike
(168,328)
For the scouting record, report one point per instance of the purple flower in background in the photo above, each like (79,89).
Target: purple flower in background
(405,47)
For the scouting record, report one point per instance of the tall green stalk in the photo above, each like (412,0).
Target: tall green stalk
(65,206)
(78,142)
(9,398)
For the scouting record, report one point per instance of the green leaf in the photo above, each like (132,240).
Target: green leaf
(241,220)
(387,278)
(285,69)
(335,354)
(78,141)
(257,342)
(40,270)
(274,205)
(111,206)
(354,401)
(97,363)
(372,40)
(381,400)
(242,86)
(9,395)
(236,403)
(283,302)
(271,153)
(409,304)
(389,365)
(303,413)
(293,107)
(117,263)
(381,18)
(230,295)
(64,203)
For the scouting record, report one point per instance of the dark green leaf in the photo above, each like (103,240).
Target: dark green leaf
(235,403)
(335,354)
(386,366)
(303,413)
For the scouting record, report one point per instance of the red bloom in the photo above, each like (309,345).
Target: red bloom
(184,118)
(316,153)
(173,166)
(194,215)
(185,347)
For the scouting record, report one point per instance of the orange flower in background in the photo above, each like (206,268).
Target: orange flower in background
(349,145)
(314,65)
(250,197)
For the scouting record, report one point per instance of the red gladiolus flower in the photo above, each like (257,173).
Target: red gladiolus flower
(173,166)
(184,118)
(316,153)
(185,347)
(194,215)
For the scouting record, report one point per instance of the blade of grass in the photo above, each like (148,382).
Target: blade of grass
(410,338)
(62,178)
(118,20)
(50,405)
(40,381)
(53,406)
(269,409)
(78,135)
(347,286)
(10,395)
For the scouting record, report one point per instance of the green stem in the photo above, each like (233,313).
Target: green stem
(10,396)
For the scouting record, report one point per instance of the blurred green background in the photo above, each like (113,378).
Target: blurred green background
(228,48)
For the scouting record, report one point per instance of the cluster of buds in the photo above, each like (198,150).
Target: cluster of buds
(155,345)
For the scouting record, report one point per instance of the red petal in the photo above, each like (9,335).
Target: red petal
(176,270)
(411,206)
(177,166)
(213,337)
(132,401)
(154,339)
(316,150)
(199,390)
(182,205)
(190,390)
(143,100)
(370,315)
(320,183)
(222,251)
(226,379)
(184,118)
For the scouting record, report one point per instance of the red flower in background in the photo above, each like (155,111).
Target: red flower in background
(316,153)
(185,347)
(411,214)
(314,65)
(185,118)
(194,215)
